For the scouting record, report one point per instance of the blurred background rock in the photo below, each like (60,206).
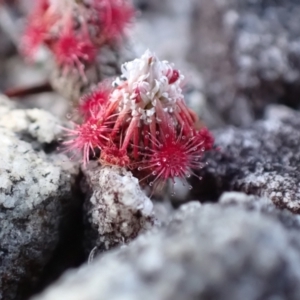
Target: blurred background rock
(238,56)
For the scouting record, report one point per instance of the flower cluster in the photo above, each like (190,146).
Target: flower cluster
(75,30)
(141,121)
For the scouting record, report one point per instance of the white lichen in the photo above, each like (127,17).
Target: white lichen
(118,209)
(39,124)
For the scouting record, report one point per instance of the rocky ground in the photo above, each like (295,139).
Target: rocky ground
(234,235)
(202,253)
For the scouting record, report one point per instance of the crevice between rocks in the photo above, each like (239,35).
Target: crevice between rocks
(69,250)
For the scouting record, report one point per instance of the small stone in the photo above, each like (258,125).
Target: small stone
(116,208)
(262,160)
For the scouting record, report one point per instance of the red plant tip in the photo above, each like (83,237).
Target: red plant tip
(207,138)
(174,156)
(37,29)
(87,137)
(32,39)
(94,102)
(116,16)
(74,31)
(173,78)
(73,51)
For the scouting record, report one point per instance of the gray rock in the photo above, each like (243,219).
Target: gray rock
(37,124)
(35,192)
(116,208)
(262,159)
(249,54)
(207,252)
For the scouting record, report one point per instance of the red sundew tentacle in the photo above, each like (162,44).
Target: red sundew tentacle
(37,29)
(153,130)
(183,124)
(176,156)
(95,101)
(206,138)
(161,115)
(73,50)
(145,136)
(193,115)
(114,16)
(87,137)
(130,132)
(185,119)
(186,112)
(154,141)
(119,122)
(111,108)
(80,67)
(136,143)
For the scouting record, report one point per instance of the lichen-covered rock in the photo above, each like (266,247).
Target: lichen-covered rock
(116,208)
(249,54)
(35,192)
(213,251)
(5,105)
(38,124)
(262,159)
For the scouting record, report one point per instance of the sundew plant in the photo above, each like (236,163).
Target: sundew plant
(141,122)
(74,31)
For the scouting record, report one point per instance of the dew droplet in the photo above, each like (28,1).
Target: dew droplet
(154,173)
(190,187)
(151,183)
(139,168)
(69,116)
